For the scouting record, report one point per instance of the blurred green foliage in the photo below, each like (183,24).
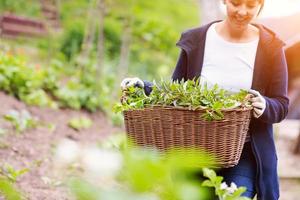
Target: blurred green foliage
(147,174)
(64,79)
(51,86)
(169,176)
(72,40)
(155,28)
(17,7)
(24,81)
(80,123)
(155,25)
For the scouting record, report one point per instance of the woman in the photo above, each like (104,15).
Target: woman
(234,53)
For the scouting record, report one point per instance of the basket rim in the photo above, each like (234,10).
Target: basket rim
(187,108)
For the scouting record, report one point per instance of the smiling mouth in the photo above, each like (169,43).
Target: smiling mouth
(240,21)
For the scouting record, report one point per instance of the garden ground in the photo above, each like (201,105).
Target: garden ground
(33,149)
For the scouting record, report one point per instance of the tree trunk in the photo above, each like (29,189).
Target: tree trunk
(210,10)
(89,34)
(125,48)
(122,68)
(100,45)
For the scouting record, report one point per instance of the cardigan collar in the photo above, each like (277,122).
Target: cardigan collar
(193,43)
(191,38)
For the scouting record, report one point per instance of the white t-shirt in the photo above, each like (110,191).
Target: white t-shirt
(228,64)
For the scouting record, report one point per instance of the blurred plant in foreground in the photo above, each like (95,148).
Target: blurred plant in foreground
(8,190)
(122,171)
(222,190)
(8,178)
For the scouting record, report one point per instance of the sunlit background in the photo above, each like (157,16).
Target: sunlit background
(278,8)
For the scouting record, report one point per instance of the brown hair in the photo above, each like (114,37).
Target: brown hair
(262,2)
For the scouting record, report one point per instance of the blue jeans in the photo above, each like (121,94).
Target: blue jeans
(244,173)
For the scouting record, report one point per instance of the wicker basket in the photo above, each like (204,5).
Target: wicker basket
(170,127)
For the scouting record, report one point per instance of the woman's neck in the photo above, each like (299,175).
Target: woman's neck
(233,34)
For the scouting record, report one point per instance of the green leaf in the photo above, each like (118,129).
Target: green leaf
(9,190)
(237,193)
(208,183)
(211,174)
(184,94)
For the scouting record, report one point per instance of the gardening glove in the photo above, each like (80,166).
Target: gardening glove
(127,82)
(258,103)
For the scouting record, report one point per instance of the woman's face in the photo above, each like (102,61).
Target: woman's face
(241,12)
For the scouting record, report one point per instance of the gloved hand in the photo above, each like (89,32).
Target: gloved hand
(127,82)
(258,103)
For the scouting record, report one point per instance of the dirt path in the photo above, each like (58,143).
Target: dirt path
(286,134)
(33,149)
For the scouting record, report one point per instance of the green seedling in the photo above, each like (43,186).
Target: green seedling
(21,121)
(11,173)
(3,131)
(80,123)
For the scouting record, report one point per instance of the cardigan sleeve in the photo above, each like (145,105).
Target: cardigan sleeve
(276,100)
(180,71)
(147,87)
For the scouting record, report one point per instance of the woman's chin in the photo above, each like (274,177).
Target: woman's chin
(240,24)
